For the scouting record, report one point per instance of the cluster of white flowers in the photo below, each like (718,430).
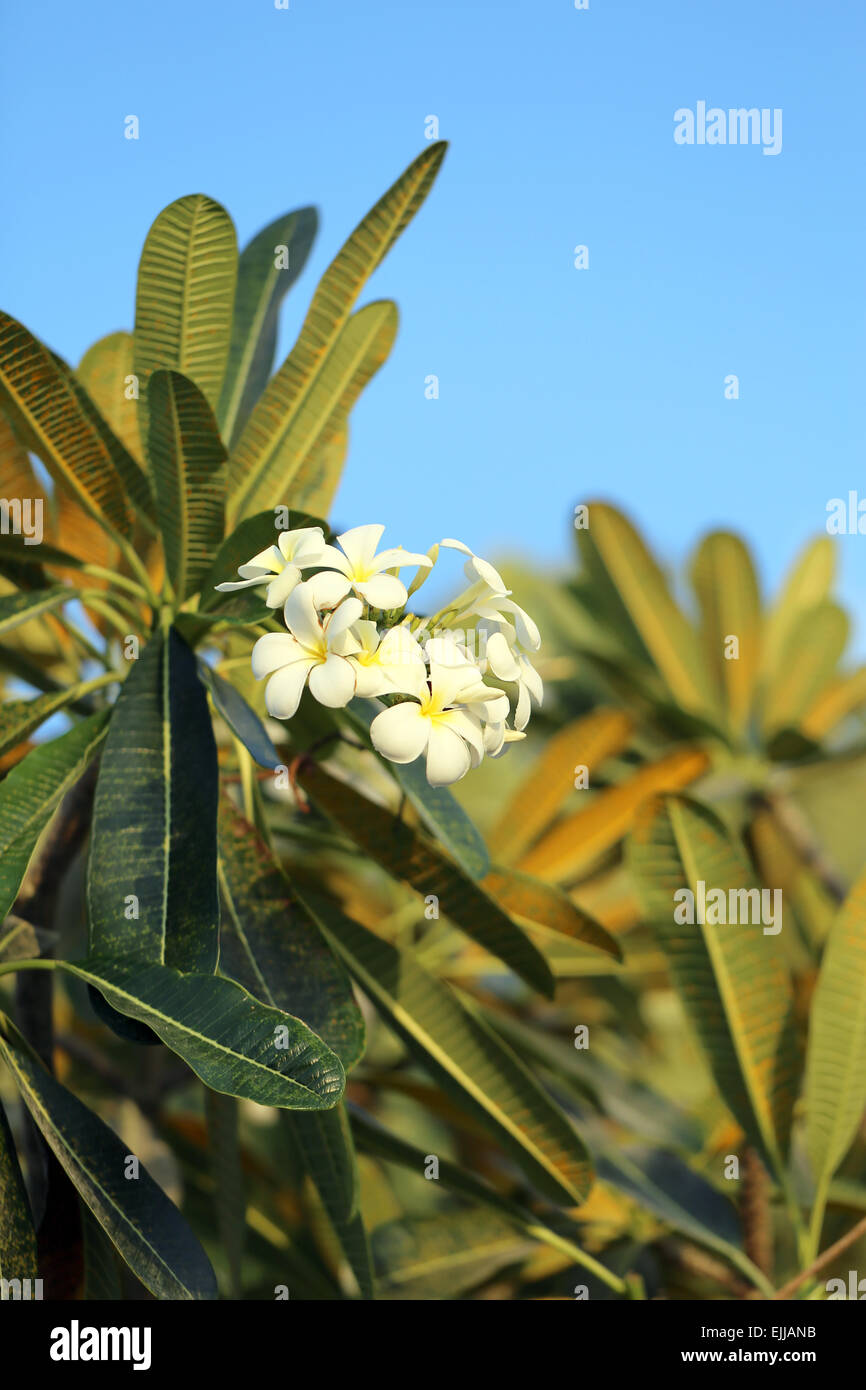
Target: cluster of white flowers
(349,633)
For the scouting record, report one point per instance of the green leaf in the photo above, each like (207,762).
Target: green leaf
(438,808)
(464,1056)
(241,719)
(325,1141)
(185,296)
(732,978)
(262,286)
(57,420)
(14,552)
(251,536)
(187,460)
(550,783)
(304,467)
(575,842)
(418,862)
(146,1228)
(19,940)
(446,1255)
(19,718)
(371,1138)
(231,1041)
(152,880)
(540,903)
(19,608)
(229,1194)
(17,1236)
(808,662)
(835,1090)
(32,790)
(724,580)
(292,387)
(272,946)
(323,1144)
(616,555)
(807,585)
(105,371)
(101,1266)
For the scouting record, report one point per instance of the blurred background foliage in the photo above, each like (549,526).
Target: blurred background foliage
(498,1139)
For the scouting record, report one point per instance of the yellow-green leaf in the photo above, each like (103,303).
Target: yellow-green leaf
(550,782)
(724,580)
(293,385)
(836,1054)
(187,460)
(732,977)
(573,843)
(612,547)
(185,295)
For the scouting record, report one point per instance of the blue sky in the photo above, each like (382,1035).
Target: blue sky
(556,385)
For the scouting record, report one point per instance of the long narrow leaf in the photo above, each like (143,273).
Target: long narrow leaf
(269,265)
(291,388)
(417,861)
(464,1056)
(146,1228)
(187,460)
(731,976)
(152,880)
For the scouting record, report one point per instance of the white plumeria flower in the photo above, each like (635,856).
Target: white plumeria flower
(381,666)
(313,650)
(476,568)
(279,566)
(356,566)
(509,663)
(490,706)
(498,736)
(445,723)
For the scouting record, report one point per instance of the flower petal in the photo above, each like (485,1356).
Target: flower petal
(503,662)
(359,545)
(307,540)
(476,568)
(400,733)
(398,557)
(527,632)
(328,588)
(232,584)
(284,689)
(332,681)
(301,617)
(468,727)
(448,758)
(343,617)
(274,650)
(269,560)
(280,588)
(383,591)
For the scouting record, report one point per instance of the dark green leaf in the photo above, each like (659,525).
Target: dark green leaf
(231,1041)
(271,945)
(146,1228)
(418,861)
(152,882)
(17,1236)
(241,719)
(32,791)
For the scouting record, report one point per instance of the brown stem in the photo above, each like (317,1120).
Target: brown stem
(826,1258)
(755,1212)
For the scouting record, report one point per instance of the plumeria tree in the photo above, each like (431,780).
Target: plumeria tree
(238,895)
